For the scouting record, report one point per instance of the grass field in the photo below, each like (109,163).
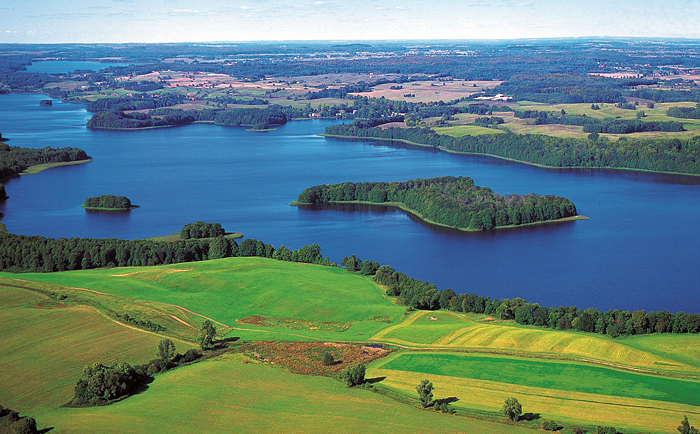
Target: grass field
(228,396)
(572,408)
(44,350)
(229,289)
(671,353)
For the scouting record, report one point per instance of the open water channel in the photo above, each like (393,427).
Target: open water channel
(639,250)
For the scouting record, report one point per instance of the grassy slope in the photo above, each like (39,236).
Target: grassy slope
(234,288)
(458,331)
(227,396)
(44,350)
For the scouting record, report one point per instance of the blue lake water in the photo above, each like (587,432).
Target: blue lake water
(639,250)
(65,66)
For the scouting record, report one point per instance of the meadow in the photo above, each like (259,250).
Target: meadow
(57,323)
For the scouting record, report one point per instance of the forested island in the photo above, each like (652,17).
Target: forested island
(108,202)
(448,201)
(661,155)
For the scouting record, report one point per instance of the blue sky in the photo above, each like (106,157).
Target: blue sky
(47,21)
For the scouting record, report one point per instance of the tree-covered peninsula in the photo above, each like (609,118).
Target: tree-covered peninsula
(449,201)
(108,202)
(659,155)
(14,160)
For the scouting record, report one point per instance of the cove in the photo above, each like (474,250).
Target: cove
(638,250)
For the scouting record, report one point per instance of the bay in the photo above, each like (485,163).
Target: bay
(639,249)
(66,66)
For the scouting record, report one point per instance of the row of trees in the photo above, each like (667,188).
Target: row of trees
(116,119)
(14,159)
(108,201)
(135,102)
(450,201)
(668,155)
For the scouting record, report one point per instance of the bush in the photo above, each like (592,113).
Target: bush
(425,393)
(100,384)
(606,430)
(328,359)
(550,425)
(353,375)
(512,409)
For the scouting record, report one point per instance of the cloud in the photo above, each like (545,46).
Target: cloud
(319,3)
(186,11)
(245,7)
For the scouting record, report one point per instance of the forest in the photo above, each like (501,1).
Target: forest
(108,201)
(449,201)
(608,125)
(664,155)
(684,112)
(14,159)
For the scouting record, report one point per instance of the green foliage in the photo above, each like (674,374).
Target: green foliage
(353,375)
(450,201)
(108,201)
(512,409)
(205,338)
(14,160)
(100,384)
(425,393)
(12,423)
(328,359)
(668,155)
(550,425)
(166,350)
(606,430)
(684,112)
(686,428)
(200,229)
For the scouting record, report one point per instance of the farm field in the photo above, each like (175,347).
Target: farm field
(229,395)
(637,384)
(46,344)
(542,397)
(463,124)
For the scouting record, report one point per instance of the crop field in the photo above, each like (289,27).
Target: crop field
(466,331)
(45,346)
(465,384)
(428,91)
(234,288)
(229,395)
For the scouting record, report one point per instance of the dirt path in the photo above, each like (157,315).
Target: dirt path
(138,329)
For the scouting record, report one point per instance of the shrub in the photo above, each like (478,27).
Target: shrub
(512,409)
(328,359)
(550,425)
(353,375)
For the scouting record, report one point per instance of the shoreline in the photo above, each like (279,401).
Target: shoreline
(542,166)
(97,208)
(31,170)
(403,207)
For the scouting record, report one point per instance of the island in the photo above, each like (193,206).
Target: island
(45,102)
(448,201)
(108,202)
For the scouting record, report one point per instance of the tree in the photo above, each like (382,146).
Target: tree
(425,393)
(166,350)
(686,428)
(512,409)
(328,359)
(353,375)
(206,335)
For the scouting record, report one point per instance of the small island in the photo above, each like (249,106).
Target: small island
(45,102)
(448,201)
(108,202)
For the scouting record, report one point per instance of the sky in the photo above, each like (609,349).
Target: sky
(118,21)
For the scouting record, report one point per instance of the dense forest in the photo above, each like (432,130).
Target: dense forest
(136,102)
(108,201)
(200,229)
(449,201)
(14,159)
(664,155)
(684,112)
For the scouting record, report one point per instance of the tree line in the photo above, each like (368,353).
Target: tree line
(449,201)
(136,102)
(14,159)
(656,154)
(608,125)
(684,112)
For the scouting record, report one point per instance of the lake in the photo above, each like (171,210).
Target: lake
(66,66)
(639,249)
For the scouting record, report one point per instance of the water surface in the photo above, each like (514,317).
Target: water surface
(639,250)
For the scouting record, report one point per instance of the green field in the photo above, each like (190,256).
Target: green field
(229,289)
(227,395)
(638,384)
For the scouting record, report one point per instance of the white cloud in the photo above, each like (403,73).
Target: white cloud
(186,11)
(245,7)
(319,2)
